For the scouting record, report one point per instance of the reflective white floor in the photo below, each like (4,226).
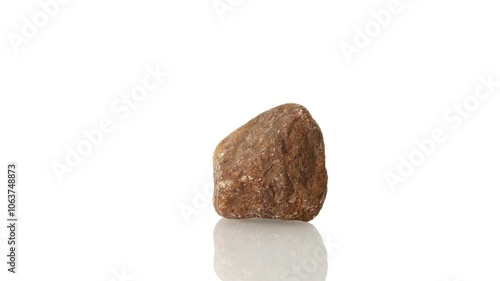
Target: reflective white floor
(256,250)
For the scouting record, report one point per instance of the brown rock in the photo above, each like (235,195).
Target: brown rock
(272,167)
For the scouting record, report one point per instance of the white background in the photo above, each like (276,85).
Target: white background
(120,208)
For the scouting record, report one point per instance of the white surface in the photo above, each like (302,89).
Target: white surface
(119,209)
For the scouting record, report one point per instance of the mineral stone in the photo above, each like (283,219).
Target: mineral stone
(272,167)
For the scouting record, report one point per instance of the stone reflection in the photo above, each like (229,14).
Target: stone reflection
(260,250)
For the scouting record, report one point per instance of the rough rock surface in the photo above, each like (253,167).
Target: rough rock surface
(272,167)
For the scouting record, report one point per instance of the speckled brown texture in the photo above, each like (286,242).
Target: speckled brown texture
(272,167)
